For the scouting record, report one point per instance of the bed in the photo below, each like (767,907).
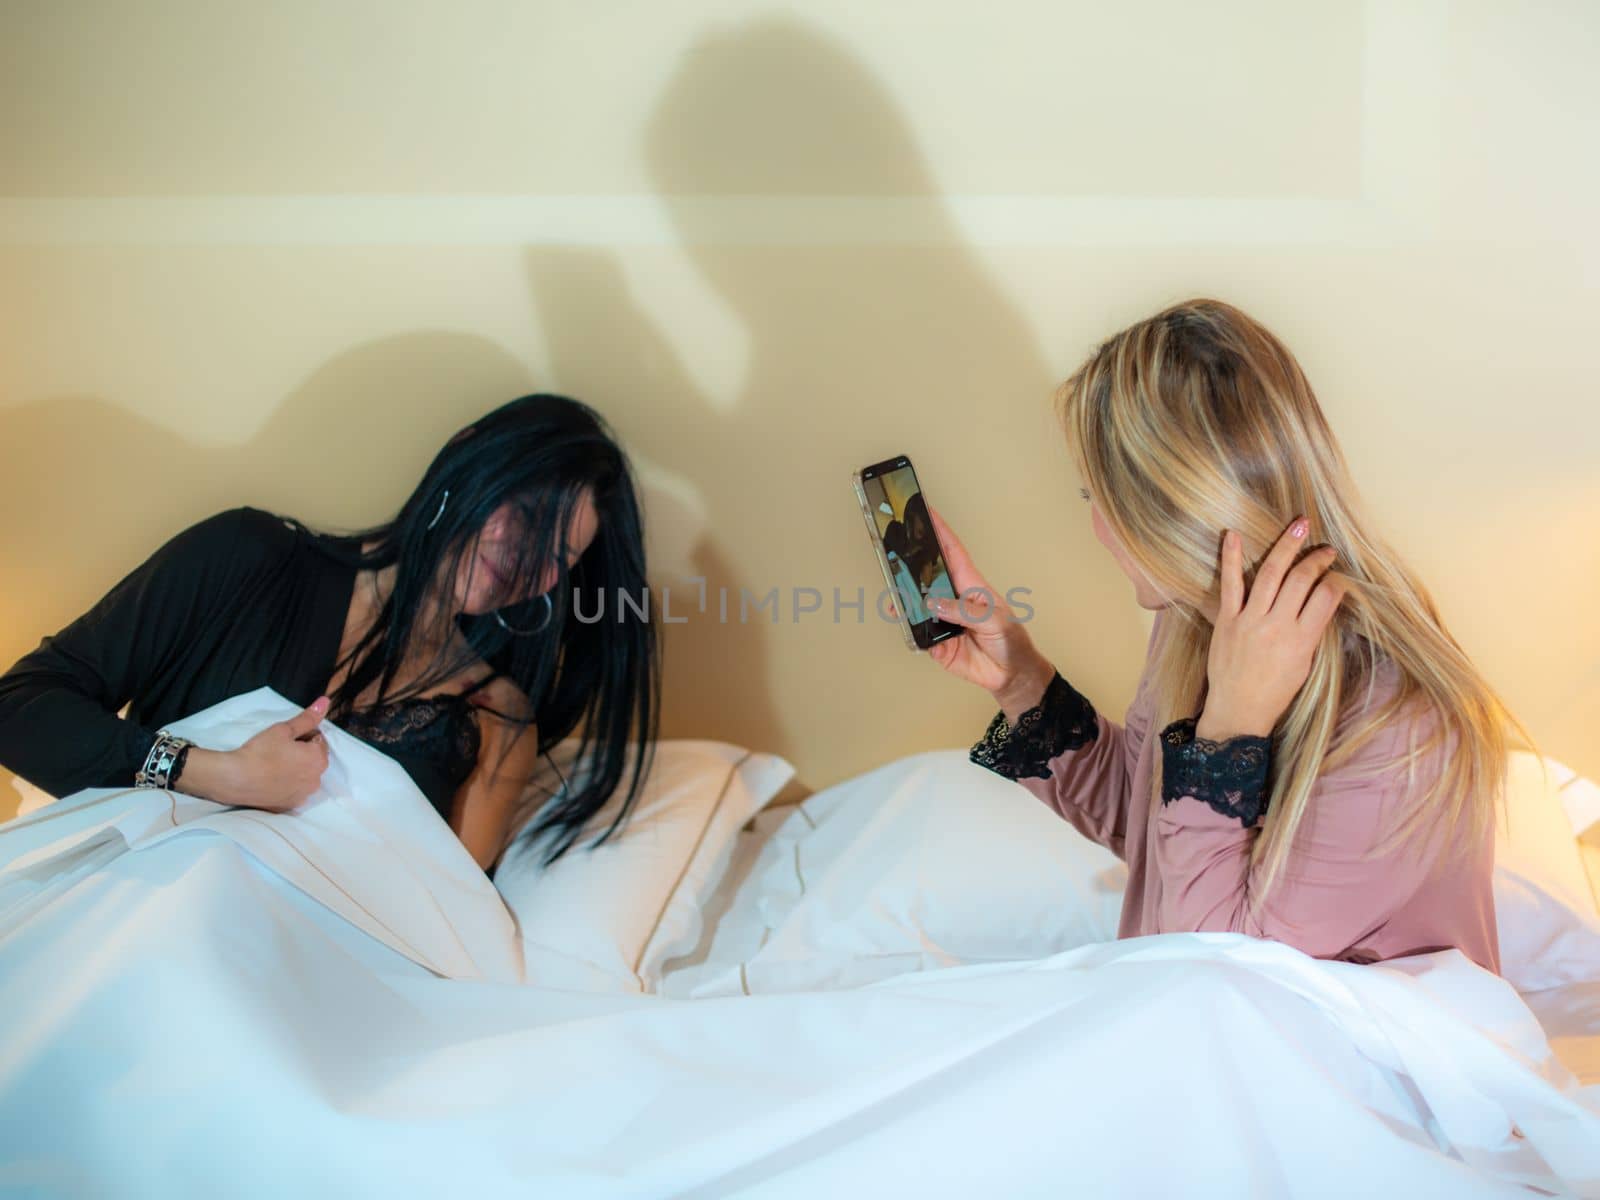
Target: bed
(903,984)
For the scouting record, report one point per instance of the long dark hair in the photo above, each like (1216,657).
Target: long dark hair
(540,453)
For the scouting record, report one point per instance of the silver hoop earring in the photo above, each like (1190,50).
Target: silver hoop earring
(549,611)
(440,513)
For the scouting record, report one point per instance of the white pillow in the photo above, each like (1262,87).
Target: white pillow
(933,861)
(606,918)
(1581,798)
(1544,906)
(925,862)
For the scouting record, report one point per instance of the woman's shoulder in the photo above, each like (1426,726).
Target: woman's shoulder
(1387,733)
(240,539)
(1379,689)
(246,522)
(503,698)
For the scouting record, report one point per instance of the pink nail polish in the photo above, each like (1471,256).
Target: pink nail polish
(1299,528)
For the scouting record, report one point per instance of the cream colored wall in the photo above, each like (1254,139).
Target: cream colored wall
(273,254)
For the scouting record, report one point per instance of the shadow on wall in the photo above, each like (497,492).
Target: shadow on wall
(350,442)
(343,449)
(852,348)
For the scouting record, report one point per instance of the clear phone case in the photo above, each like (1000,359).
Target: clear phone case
(883,561)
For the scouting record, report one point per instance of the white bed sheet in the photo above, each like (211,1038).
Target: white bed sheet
(185,1022)
(194,1016)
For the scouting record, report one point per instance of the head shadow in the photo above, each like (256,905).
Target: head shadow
(768,134)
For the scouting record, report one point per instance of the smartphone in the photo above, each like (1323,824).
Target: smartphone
(908,549)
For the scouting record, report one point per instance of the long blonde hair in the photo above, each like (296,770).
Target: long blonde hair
(1198,420)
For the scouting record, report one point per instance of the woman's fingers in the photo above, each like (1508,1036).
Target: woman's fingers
(1324,602)
(1231,597)
(963,573)
(1264,590)
(973,610)
(307,719)
(944,653)
(1301,579)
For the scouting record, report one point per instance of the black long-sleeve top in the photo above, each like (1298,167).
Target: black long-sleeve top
(240,600)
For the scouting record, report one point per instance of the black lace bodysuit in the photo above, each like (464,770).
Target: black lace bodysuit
(435,738)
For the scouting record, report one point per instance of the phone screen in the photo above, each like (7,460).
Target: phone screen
(905,531)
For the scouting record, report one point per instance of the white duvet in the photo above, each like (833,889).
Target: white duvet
(329,1003)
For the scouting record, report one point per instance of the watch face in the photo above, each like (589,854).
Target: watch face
(162,762)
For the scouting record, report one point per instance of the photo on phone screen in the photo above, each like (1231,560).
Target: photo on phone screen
(905,531)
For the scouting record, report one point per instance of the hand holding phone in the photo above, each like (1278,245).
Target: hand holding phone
(996,652)
(949,608)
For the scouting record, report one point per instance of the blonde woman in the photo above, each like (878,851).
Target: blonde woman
(1310,756)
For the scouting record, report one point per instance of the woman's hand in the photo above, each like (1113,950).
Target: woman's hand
(276,770)
(995,651)
(1262,646)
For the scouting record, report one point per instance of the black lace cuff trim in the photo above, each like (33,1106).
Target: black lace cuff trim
(1062,720)
(1230,776)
